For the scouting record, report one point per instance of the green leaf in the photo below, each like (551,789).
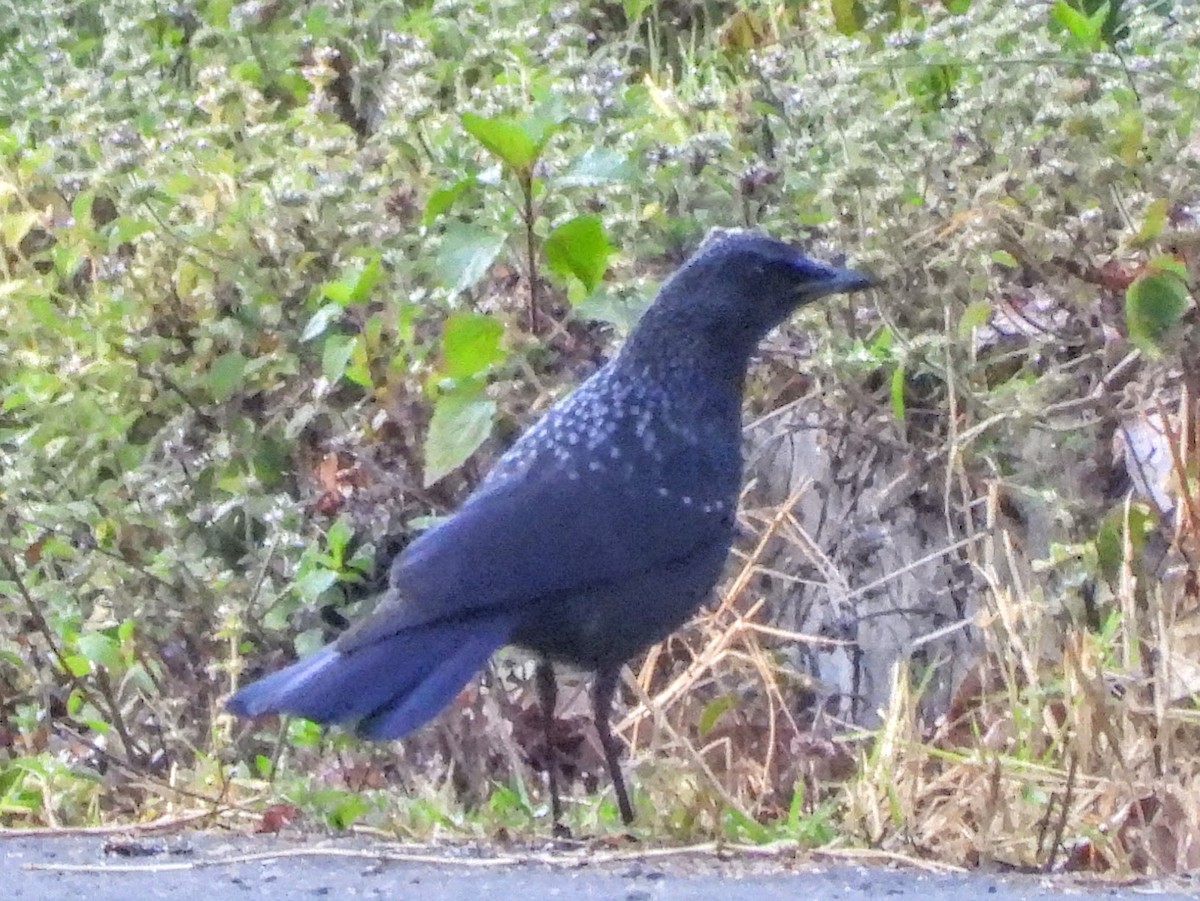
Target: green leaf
(470,344)
(305,733)
(15,226)
(635,9)
(713,712)
(467,253)
(897,393)
(347,809)
(881,345)
(316,23)
(355,285)
(551,111)
(461,422)
(849,16)
(1168,264)
(1110,539)
(617,309)
(81,209)
(743,31)
(579,248)
(272,460)
(338,292)
(263,765)
(443,198)
(225,375)
(1154,304)
(368,277)
(510,141)
(1153,224)
(126,228)
(218,12)
(359,368)
(956,7)
(315,582)
(976,315)
(335,356)
(337,539)
(320,321)
(739,825)
(307,642)
(1004,258)
(100,650)
(1087,31)
(1129,132)
(595,166)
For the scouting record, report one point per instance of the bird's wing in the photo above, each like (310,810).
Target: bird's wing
(541,534)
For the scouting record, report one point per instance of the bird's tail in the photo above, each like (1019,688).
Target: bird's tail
(387,687)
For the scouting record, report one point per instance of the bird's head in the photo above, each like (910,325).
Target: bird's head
(736,287)
(746,280)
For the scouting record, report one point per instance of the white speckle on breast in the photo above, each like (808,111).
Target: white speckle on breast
(618,428)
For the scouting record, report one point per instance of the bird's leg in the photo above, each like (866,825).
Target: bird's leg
(547,690)
(602,695)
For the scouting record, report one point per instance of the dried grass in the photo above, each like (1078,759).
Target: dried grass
(1061,747)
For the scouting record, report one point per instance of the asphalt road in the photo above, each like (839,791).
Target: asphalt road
(223,867)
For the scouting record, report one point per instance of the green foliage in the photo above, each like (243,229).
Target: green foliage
(443,198)
(1092,24)
(467,253)
(1084,27)
(355,285)
(807,827)
(323,572)
(462,420)
(471,344)
(850,16)
(226,374)
(579,248)
(576,250)
(516,144)
(595,167)
(1118,530)
(1155,303)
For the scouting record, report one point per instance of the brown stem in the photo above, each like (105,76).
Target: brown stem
(529,216)
(40,623)
(132,751)
(1064,814)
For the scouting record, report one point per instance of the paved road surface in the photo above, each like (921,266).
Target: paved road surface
(214,867)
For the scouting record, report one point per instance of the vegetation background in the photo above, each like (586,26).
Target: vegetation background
(279,279)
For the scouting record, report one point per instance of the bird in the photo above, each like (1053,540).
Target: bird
(598,533)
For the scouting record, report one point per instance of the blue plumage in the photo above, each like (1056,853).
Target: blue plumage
(599,532)
(388,686)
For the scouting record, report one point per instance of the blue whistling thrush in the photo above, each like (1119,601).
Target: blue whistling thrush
(597,534)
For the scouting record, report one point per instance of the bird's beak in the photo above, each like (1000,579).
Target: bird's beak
(837,280)
(817,279)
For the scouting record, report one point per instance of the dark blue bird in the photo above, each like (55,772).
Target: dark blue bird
(597,534)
